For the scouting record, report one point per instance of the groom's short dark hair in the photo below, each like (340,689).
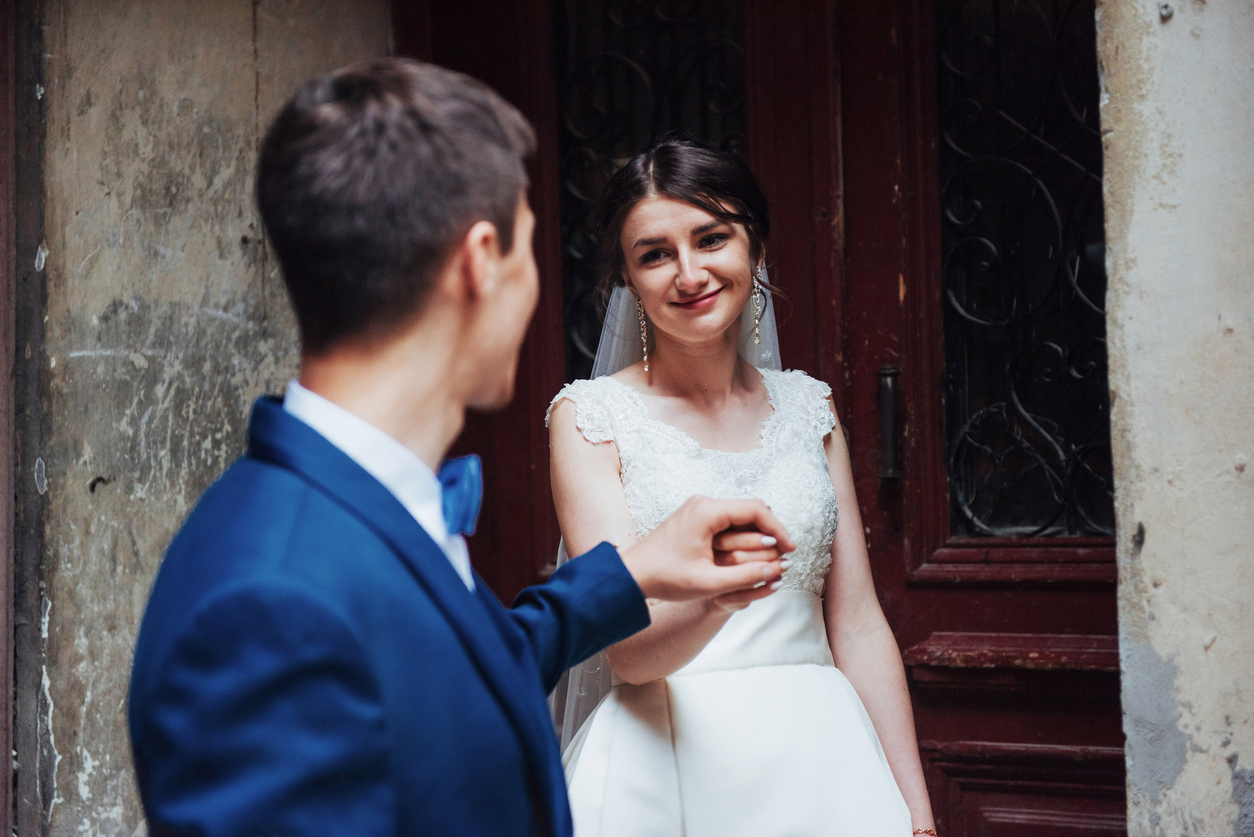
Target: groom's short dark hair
(370,175)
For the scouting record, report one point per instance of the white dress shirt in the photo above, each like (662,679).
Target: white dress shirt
(387,460)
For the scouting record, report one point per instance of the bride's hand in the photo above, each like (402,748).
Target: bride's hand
(740,547)
(711,549)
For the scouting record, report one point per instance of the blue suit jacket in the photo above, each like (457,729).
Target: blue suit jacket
(310,663)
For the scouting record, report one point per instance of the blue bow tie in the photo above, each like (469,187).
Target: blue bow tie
(462,481)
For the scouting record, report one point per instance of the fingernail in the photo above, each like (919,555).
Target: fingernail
(783,565)
(777,585)
(767,540)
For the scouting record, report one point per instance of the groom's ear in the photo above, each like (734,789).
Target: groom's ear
(474,266)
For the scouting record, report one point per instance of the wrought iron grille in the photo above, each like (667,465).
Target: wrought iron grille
(629,71)
(1023,268)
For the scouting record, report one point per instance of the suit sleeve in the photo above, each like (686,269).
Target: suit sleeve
(265,719)
(589,603)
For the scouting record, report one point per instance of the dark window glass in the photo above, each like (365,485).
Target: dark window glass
(1023,268)
(629,71)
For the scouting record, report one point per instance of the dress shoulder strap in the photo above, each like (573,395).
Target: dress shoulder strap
(593,413)
(806,396)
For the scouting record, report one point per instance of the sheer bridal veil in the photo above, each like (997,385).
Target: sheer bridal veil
(582,688)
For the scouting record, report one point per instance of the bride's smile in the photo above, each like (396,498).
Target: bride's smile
(702,302)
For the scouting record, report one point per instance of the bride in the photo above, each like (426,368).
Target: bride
(743,715)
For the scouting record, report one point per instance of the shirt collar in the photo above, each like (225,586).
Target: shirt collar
(387,460)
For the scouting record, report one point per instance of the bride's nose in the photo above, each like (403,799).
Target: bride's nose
(691,277)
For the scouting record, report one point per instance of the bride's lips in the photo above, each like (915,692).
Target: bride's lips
(703,301)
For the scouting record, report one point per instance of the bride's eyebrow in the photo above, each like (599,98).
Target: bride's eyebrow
(649,242)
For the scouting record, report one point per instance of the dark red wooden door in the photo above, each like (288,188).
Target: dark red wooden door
(1007,627)
(995,563)
(508,44)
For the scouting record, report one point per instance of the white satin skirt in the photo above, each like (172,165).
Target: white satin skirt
(759,736)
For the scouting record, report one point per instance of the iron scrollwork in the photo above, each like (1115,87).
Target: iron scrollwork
(629,71)
(1023,273)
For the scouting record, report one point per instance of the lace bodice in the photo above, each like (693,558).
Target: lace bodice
(662,466)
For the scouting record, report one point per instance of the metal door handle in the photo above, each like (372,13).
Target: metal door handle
(888,423)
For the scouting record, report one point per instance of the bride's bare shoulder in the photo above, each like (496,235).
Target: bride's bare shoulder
(633,376)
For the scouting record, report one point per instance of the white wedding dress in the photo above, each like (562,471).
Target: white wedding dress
(760,735)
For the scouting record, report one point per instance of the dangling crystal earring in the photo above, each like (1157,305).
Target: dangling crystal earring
(644,334)
(757,304)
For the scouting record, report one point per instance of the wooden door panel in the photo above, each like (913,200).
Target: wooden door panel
(1026,791)
(1043,810)
(794,149)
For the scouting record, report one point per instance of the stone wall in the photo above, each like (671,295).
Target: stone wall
(163,317)
(1178,126)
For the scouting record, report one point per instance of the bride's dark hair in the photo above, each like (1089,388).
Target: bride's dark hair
(681,168)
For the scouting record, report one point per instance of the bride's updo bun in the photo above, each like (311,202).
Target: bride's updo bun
(683,169)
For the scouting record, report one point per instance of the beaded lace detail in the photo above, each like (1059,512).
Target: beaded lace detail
(662,466)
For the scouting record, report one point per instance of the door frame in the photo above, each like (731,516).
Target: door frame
(821,135)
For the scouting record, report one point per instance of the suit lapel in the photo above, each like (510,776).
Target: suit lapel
(279,438)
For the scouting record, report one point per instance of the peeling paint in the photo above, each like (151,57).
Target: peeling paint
(1156,746)
(84,774)
(1243,796)
(51,738)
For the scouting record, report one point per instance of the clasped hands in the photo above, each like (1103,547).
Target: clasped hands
(729,551)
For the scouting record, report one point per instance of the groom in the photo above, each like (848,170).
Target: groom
(317,656)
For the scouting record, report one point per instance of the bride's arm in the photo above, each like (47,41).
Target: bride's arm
(591,508)
(863,644)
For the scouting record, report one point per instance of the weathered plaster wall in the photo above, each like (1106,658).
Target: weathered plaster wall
(1178,126)
(165,318)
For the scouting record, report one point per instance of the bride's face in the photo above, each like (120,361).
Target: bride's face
(690,270)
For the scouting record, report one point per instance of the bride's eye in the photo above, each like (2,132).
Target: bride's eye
(714,239)
(652,256)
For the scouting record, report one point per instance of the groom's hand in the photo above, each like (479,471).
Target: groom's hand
(711,548)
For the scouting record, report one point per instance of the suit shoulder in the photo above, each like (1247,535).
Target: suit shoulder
(239,543)
(248,522)
(252,623)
